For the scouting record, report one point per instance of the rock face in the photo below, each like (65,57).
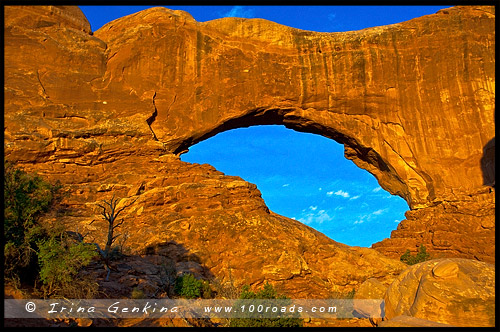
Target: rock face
(440,292)
(370,289)
(108,114)
(448,229)
(452,291)
(398,97)
(213,225)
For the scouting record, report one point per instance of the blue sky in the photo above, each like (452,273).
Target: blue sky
(301,176)
(306,177)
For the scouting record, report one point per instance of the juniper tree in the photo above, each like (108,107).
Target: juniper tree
(110,212)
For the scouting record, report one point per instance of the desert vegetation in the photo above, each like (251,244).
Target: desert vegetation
(266,292)
(187,286)
(42,258)
(420,256)
(48,259)
(110,211)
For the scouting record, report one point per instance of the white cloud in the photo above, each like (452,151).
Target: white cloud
(376,190)
(315,217)
(362,219)
(379,212)
(239,11)
(368,217)
(286,184)
(313,208)
(322,216)
(342,193)
(320,188)
(355,197)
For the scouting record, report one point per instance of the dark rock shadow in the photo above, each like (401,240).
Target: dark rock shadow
(151,274)
(488,163)
(186,262)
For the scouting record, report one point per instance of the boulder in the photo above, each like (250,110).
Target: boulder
(454,291)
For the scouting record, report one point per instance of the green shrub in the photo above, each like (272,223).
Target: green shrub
(421,256)
(60,262)
(32,251)
(350,295)
(189,287)
(267,292)
(137,294)
(26,198)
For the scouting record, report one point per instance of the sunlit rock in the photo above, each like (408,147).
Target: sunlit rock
(108,114)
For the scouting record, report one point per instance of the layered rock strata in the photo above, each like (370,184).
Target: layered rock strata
(213,226)
(108,113)
(460,228)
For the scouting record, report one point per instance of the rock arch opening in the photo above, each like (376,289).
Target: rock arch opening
(305,177)
(300,120)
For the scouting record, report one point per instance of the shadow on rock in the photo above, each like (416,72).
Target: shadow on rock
(150,275)
(488,163)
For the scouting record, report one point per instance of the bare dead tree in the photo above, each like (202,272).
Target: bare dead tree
(110,214)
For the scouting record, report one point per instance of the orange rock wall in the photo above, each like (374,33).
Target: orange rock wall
(413,103)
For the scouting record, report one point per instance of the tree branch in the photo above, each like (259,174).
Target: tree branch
(119,224)
(110,214)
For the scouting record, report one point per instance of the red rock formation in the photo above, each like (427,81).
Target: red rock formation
(398,96)
(454,291)
(461,228)
(106,114)
(212,225)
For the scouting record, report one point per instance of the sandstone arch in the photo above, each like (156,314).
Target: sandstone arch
(353,150)
(397,96)
(412,102)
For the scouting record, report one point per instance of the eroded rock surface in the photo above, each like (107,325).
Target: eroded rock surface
(107,113)
(193,213)
(452,291)
(461,228)
(400,99)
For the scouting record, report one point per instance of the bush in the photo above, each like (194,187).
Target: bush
(268,292)
(137,294)
(26,198)
(350,295)
(32,251)
(421,256)
(189,287)
(60,262)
